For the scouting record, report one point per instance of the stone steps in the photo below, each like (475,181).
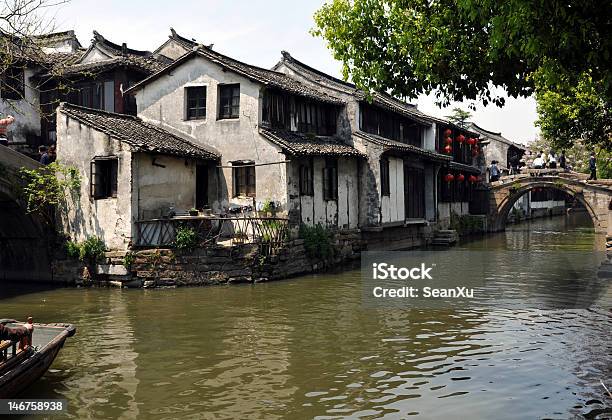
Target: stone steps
(446,237)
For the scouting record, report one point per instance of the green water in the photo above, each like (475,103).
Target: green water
(308,348)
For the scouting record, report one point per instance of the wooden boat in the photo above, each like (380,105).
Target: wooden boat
(19,368)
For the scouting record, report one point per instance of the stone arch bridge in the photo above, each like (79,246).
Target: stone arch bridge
(595,196)
(24,250)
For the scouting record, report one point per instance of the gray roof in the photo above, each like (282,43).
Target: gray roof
(495,136)
(299,144)
(388,145)
(141,136)
(464,167)
(257,74)
(378,98)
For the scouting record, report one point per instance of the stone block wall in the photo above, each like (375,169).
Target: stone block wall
(231,265)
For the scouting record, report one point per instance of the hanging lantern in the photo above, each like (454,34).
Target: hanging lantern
(448,149)
(448,132)
(460,139)
(472,179)
(460,178)
(471,141)
(448,140)
(449,178)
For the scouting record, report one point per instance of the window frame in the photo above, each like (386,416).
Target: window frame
(244,179)
(107,179)
(196,108)
(234,108)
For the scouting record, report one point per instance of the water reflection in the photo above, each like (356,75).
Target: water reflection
(308,348)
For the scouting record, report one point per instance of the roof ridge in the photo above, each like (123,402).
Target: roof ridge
(485,130)
(290,58)
(98,38)
(68,105)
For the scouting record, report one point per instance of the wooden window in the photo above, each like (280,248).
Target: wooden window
(316,118)
(195,101)
(306,179)
(244,179)
(390,125)
(385,187)
(104,177)
(229,101)
(97,95)
(275,110)
(12,84)
(330,180)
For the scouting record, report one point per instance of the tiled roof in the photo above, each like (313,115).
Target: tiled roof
(464,167)
(378,98)
(263,76)
(495,136)
(54,37)
(147,65)
(299,144)
(142,136)
(401,147)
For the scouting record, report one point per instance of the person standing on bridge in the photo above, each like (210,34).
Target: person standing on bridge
(4,123)
(538,162)
(593,167)
(563,161)
(494,172)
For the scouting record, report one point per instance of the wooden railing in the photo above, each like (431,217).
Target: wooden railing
(270,233)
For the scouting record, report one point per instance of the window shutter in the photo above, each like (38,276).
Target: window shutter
(93,179)
(113,178)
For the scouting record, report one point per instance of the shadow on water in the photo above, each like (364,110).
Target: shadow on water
(10,290)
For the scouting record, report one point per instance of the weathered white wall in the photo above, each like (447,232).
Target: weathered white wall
(547,204)
(392,206)
(109,218)
(156,187)
(162,102)
(26,112)
(172,49)
(341,213)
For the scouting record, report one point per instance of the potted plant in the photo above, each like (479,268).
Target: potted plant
(193,211)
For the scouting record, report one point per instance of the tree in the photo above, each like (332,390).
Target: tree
(22,23)
(460,117)
(463,49)
(569,113)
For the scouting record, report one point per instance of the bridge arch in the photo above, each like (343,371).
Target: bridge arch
(505,193)
(24,247)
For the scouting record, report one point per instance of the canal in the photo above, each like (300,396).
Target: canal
(308,347)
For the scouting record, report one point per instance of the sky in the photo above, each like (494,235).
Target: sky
(253,31)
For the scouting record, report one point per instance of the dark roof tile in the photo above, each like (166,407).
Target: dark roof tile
(299,144)
(263,76)
(401,147)
(142,136)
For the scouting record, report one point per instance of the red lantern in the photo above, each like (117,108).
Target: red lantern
(472,179)
(471,141)
(449,178)
(447,132)
(460,138)
(448,149)
(448,140)
(460,178)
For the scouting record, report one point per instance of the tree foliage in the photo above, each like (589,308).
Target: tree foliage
(460,117)
(465,49)
(47,186)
